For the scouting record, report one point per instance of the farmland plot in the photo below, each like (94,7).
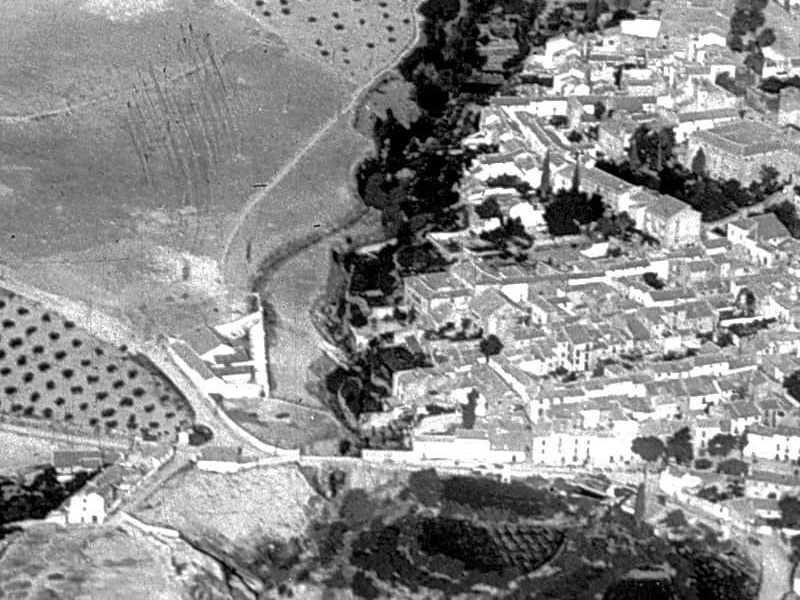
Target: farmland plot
(56,373)
(355,37)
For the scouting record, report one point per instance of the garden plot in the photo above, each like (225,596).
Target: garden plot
(56,373)
(355,37)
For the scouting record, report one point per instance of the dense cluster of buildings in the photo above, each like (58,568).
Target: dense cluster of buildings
(603,343)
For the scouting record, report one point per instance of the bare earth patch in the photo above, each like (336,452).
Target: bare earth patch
(51,562)
(241,507)
(122,10)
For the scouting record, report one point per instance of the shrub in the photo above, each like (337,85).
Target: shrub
(77,343)
(101,395)
(107,412)
(99,351)
(5,371)
(702,463)
(47,413)
(60,355)
(67,373)
(93,421)
(43,366)
(732,466)
(50,385)
(200,434)
(28,412)
(111,368)
(10,390)
(22,360)
(38,349)
(69,324)
(92,378)
(83,406)
(149,408)
(76,389)
(85,362)
(138,392)
(22,311)
(111,424)
(46,317)
(35,396)
(69,416)
(8,323)
(59,401)
(126,401)
(27,377)
(54,335)
(30,330)
(118,383)
(132,373)
(15,342)
(153,424)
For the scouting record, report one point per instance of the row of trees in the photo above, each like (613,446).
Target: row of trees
(748,34)
(679,446)
(651,163)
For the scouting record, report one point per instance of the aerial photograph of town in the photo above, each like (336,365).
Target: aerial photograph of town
(400,299)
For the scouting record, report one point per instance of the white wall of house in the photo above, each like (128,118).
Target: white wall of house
(86,508)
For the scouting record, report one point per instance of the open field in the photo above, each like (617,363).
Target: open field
(52,562)
(247,506)
(315,194)
(53,371)
(139,140)
(21,452)
(286,424)
(354,37)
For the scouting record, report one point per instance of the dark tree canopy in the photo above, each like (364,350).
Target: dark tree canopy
(679,446)
(650,448)
(722,444)
(733,466)
(792,385)
(490,346)
(790,511)
(489,209)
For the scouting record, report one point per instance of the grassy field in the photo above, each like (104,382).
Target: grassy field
(58,374)
(355,37)
(139,140)
(287,424)
(242,507)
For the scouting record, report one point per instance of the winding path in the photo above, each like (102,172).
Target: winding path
(353,101)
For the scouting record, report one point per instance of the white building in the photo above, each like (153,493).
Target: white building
(674,481)
(87,508)
(464,446)
(779,443)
